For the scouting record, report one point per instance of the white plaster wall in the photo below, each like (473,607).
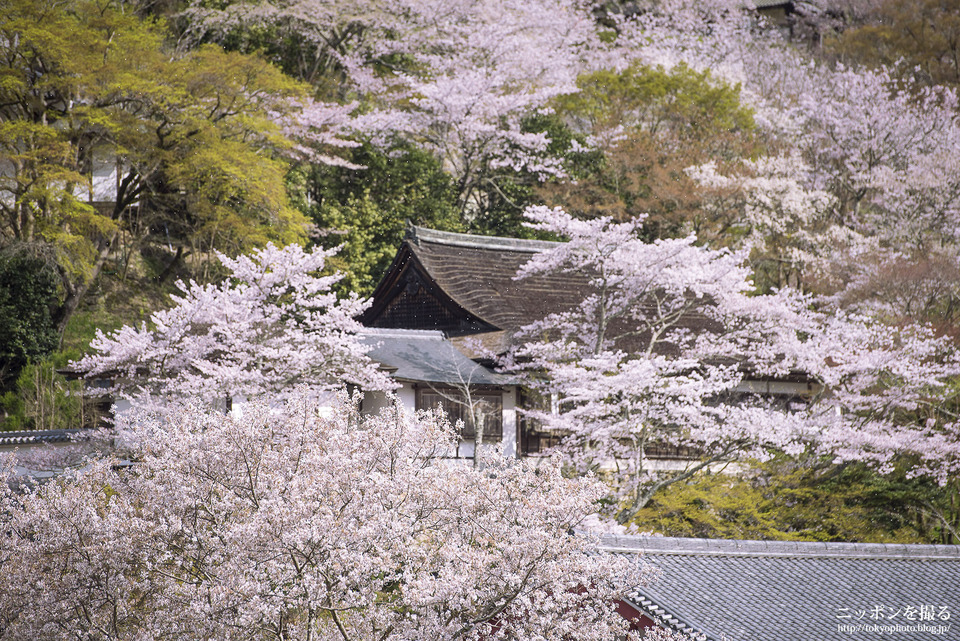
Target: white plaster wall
(375,401)
(104,177)
(7,183)
(509,441)
(510,422)
(466,448)
(121,406)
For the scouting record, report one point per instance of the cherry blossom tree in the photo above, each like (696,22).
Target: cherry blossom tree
(460,78)
(782,220)
(306,38)
(872,190)
(659,351)
(318,130)
(856,183)
(271,325)
(473,69)
(287,525)
(457,78)
(886,154)
(878,143)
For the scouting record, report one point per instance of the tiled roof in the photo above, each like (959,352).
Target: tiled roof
(36,437)
(767,4)
(477,274)
(465,284)
(799,591)
(452,239)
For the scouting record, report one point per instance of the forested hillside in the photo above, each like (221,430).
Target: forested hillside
(141,139)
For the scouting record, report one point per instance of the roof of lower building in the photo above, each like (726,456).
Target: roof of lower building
(799,591)
(427,356)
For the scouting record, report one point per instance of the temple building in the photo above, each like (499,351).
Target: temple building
(450,303)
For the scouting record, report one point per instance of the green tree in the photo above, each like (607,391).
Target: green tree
(29,295)
(366,210)
(104,131)
(923,37)
(691,104)
(791,498)
(652,123)
(45,400)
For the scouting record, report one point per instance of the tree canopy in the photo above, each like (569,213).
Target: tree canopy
(821,175)
(287,524)
(104,131)
(662,347)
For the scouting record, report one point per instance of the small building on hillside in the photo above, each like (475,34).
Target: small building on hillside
(432,372)
(796,591)
(461,291)
(778,13)
(462,287)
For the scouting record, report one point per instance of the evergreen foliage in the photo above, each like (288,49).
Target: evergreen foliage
(104,130)
(365,210)
(29,296)
(649,124)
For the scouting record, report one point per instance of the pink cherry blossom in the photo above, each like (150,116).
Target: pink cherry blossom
(663,348)
(271,325)
(284,524)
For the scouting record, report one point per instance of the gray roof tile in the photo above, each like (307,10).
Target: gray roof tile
(797,591)
(424,355)
(477,275)
(36,437)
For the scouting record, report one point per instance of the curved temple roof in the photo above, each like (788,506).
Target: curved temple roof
(472,279)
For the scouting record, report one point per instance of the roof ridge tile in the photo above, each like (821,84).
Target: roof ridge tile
(418,235)
(783,549)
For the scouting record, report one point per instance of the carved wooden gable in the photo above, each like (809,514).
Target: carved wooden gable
(413,300)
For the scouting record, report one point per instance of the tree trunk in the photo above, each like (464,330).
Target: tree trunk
(75,294)
(168,270)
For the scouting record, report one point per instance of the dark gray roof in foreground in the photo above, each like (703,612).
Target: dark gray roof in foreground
(425,355)
(798,591)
